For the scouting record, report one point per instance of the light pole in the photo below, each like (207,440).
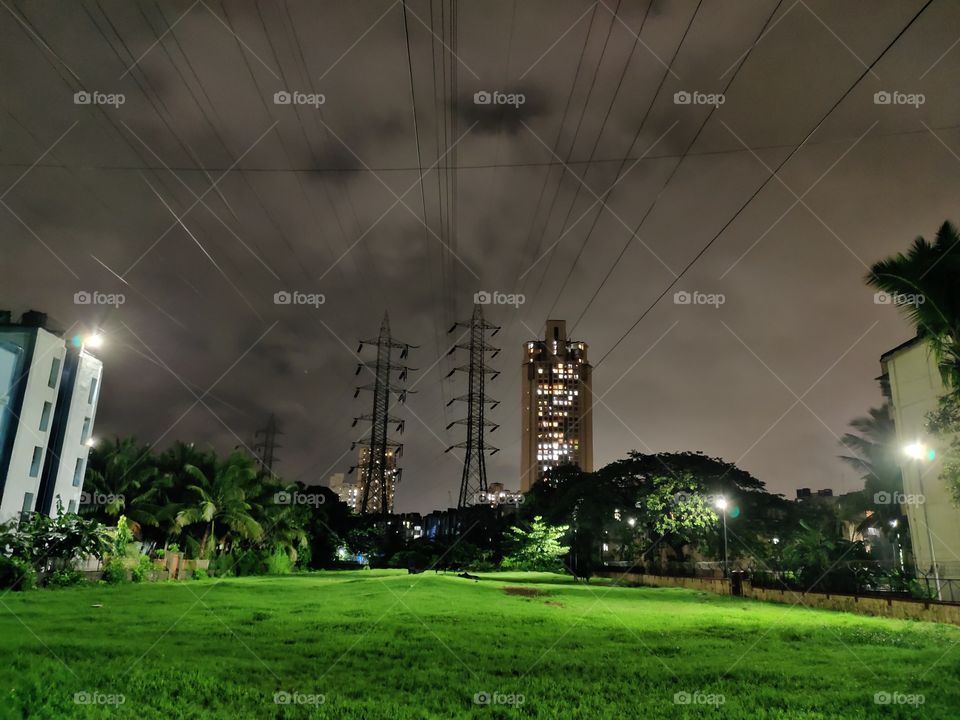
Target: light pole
(722,505)
(920,452)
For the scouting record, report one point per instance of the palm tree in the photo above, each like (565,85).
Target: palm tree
(122,479)
(931,272)
(873,452)
(220,498)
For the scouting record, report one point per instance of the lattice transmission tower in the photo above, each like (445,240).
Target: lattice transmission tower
(474,479)
(377,463)
(265,446)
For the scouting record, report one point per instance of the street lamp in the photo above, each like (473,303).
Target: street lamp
(721,504)
(93,341)
(919,451)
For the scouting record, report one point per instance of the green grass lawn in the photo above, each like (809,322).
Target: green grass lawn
(381,644)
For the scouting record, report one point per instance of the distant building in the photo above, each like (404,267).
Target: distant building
(49,391)
(910,372)
(556,405)
(391,475)
(823,495)
(412,525)
(346,490)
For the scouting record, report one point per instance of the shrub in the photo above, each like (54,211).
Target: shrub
(278,562)
(200,574)
(140,570)
(16,574)
(65,577)
(113,571)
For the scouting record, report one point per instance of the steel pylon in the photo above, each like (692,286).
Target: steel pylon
(473,482)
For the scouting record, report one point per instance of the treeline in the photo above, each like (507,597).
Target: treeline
(218,508)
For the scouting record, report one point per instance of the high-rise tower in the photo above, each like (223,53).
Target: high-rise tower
(556,405)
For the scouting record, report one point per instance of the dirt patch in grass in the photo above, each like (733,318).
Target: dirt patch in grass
(524,591)
(554,603)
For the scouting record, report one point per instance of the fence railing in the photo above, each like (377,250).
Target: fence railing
(849,578)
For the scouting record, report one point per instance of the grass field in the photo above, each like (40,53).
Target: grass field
(380,644)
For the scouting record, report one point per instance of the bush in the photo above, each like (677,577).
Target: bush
(65,577)
(278,562)
(200,574)
(114,572)
(140,570)
(16,574)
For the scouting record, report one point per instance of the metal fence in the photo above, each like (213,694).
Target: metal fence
(941,584)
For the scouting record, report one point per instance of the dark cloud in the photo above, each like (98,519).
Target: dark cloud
(291,211)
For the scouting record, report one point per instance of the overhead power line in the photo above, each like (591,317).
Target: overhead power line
(773,174)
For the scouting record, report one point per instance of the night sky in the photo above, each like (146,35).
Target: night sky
(198,198)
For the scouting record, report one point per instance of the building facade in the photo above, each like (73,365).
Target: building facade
(48,399)
(915,387)
(556,405)
(391,475)
(348,490)
(71,434)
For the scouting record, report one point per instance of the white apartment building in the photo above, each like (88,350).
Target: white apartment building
(915,389)
(44,421)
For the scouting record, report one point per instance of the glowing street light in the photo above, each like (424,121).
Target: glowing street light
(915,450)
(631,521)
(919,451)
(94,340)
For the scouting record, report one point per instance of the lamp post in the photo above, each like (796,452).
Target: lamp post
(722,505)
(918,451)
